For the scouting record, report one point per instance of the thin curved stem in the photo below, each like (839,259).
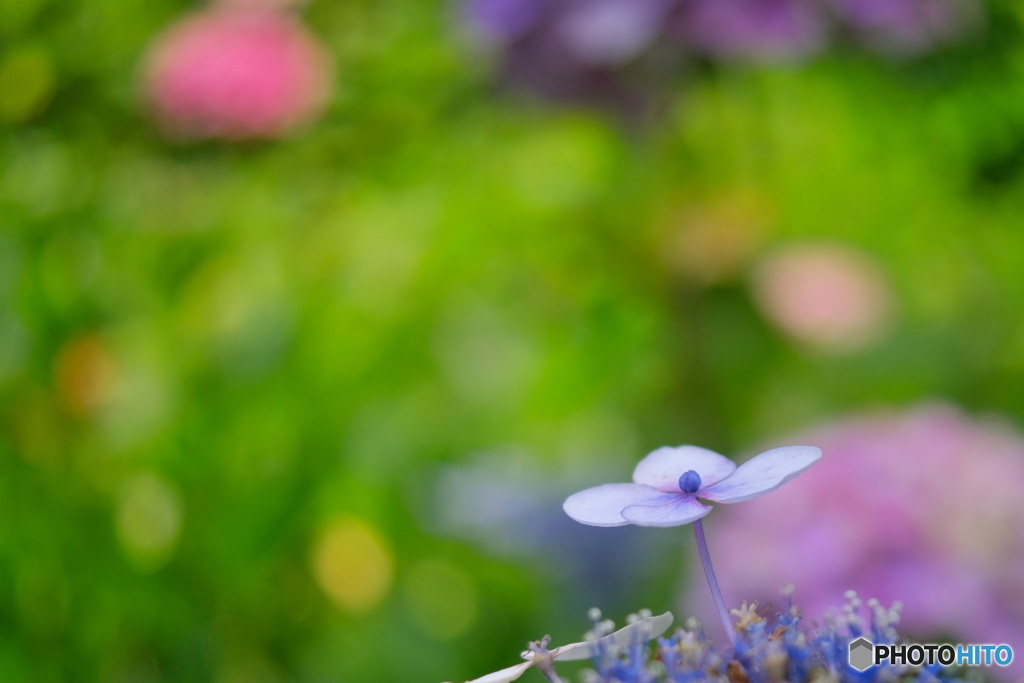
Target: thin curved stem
(709,572)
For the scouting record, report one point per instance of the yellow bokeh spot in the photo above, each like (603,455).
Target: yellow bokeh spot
(442,598)
(27,81)
(149,516)
(353,564)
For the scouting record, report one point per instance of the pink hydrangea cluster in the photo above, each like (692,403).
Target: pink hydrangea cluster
(236,72)
(922,506)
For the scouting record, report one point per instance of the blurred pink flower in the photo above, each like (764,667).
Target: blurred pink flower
(924,507)
(236,72)
(825,295)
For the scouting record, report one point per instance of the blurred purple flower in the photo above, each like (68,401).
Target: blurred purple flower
(611,31)
(503,21)
(924,507)
(668,482)
(611,51)
(753,29)
(594,32)
(573,50)
(907,26)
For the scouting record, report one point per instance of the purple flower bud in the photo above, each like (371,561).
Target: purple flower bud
(689,482)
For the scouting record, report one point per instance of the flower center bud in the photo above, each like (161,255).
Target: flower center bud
(689,482)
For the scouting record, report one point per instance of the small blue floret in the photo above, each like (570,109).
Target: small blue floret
(689,482)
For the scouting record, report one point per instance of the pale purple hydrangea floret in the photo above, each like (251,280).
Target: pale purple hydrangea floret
(661,494)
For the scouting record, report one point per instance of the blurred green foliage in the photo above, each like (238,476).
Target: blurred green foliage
(230,374)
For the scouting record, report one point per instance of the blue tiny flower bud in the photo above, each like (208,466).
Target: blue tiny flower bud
(689,482)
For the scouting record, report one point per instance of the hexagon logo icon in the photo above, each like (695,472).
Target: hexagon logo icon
(862,654)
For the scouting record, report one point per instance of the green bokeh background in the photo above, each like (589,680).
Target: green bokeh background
(215,356)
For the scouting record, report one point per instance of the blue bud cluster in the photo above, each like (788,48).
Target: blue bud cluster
(769,649)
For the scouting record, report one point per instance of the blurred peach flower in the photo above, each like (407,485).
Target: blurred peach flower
(85,373)
(236,72)
(825,295)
